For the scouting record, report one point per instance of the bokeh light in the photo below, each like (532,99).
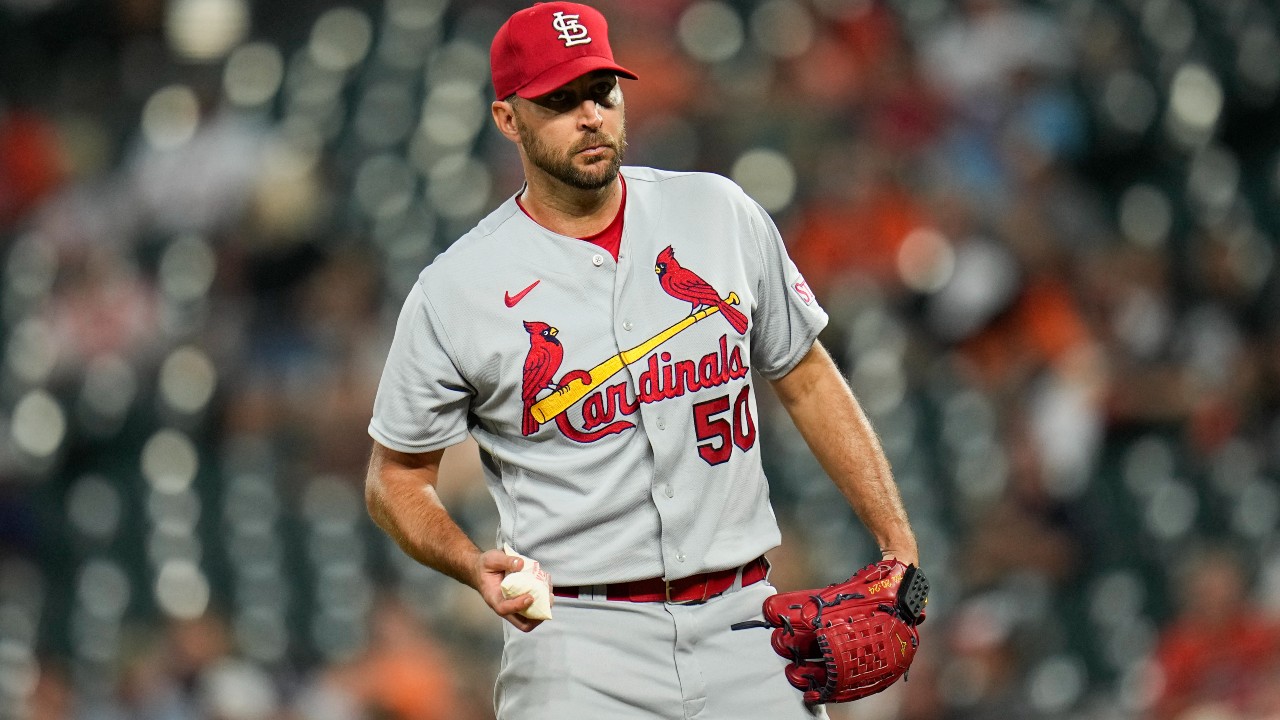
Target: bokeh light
(1213,179)
(182,590)
(1146,215)
(1056,684)
(169,461)
(385,114)
(1195,104)
(94,507)
(782,28)
(32,351)
(1130,101)
(30,270)
(458,186)
(39,424)
(187,268)
(170,117)
(385,186)
(206,30)
(926,260)
(767,176)
(103,589)
(340,38)
(454,113)
(460,61)
(1258,63)
(109,389)
(710,31)
(253,74)
(1170,24)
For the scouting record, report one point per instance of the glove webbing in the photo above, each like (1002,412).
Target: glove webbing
(912,597)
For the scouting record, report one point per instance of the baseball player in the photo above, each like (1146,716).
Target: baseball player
(596,334)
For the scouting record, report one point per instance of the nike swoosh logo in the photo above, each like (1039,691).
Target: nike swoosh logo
(511,301)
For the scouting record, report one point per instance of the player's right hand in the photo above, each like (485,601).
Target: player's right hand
(492,566)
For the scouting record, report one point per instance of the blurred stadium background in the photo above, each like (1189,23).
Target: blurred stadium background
(1045,232)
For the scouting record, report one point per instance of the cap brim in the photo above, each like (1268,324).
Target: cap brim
(567,72)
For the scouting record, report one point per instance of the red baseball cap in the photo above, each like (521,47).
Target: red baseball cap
(538,49)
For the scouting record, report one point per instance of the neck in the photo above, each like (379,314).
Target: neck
(568,210)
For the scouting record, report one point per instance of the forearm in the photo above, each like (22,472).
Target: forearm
(841,437)
(401,496)
(400,491)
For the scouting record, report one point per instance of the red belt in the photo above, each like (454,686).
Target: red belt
(685,591)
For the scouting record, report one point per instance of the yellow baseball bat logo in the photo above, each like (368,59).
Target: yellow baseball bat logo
(565,396)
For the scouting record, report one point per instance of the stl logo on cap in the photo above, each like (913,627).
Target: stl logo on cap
(571,31)
(542,47)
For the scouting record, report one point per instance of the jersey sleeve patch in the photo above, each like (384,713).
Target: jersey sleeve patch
(801,289)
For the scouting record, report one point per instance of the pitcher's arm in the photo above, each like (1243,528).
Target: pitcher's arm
(400,492)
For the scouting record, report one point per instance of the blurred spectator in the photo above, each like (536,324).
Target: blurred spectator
(30,165)
(857,226)
(160,673)
(53,697)
(402,675)
(1025,531)
(1221,651)
(981,677)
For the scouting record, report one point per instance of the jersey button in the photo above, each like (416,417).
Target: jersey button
(669,490)
(597,259)
(626,326)
(662,424)
(679,557)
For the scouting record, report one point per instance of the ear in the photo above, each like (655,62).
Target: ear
(504,117)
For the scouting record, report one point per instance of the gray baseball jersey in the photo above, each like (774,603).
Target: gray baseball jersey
(612,401)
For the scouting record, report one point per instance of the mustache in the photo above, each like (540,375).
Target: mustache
(602,139)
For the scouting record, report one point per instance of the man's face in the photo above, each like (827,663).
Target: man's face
(577,132)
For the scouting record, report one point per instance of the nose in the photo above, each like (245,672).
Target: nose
(589,116)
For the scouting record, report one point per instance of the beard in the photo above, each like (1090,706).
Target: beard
(600,173)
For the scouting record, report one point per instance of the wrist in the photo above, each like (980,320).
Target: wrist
(907,556)
(478,570)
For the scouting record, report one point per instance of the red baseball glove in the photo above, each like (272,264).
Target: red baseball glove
(851,639)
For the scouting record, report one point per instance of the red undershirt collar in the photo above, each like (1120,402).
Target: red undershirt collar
(609,238)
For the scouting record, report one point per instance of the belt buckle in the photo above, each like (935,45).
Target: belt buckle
(667,586)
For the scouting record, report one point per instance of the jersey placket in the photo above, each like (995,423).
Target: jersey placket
(634,313)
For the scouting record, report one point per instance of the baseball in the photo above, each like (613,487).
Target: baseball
(530,579)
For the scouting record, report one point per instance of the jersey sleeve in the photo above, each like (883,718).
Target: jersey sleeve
(787,317)
(423,401)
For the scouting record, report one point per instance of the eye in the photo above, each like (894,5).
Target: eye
(603,92)
(558,101)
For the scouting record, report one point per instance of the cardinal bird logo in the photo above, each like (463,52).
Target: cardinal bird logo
(683,284)
(540,366)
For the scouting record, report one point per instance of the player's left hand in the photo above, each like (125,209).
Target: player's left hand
(493,566)
(851,639)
